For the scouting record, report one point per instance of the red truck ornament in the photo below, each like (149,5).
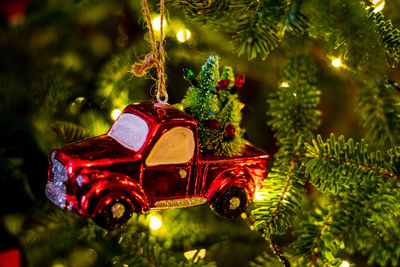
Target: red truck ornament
(150,160)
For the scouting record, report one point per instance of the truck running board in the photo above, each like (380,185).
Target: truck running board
(180,202)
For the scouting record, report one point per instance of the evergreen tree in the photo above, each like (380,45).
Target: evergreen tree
(215,106)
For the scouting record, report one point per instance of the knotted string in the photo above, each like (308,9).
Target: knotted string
(151,59)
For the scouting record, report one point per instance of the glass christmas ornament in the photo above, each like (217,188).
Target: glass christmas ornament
(150,160)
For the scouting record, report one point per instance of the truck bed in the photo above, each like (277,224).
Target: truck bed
(249,152)
(250,165)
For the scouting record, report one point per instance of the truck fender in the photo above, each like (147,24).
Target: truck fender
(231,178)
(104,190)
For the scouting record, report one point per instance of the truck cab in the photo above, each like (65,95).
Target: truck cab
(150,160)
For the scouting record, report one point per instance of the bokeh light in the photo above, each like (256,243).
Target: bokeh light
(336,62)
(183,35)
(155,223)
(156,23)
(378,5)
(115,113)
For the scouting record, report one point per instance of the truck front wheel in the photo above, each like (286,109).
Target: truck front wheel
(232,203)
(115,214)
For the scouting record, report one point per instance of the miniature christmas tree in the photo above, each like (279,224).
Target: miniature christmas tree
(212,100)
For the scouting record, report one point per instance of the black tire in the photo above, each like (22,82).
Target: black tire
(232,203)
(115,214)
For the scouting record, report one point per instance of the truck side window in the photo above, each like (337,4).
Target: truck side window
(174,147)
(130,131)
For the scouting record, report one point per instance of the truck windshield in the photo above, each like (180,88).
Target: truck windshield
(130,131)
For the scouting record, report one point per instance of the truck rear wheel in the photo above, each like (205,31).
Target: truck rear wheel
(115,214)
(232,203)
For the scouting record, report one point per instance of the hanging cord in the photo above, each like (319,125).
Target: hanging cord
(274,246)
(279,253)
(151,59)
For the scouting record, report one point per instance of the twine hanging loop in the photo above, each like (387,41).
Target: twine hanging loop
(155,57)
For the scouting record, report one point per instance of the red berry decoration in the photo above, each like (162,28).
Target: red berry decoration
(223,84)
(239,81)
(214,124)
(230,131)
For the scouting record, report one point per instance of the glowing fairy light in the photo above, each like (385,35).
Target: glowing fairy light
(336,62)
(378,5)
(155,223)
(115,113)
(284,84)
(258,196)
(284,198)
(183,35)
(195,254)
(156,23)
(345,264)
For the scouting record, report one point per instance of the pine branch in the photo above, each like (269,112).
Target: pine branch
(389,36)
(115,82)
(266,259)
(214,12)
(273,213)
(68,131)
(294,116)
(133,245)
(364,209)
(293,107)
(309,243)
(144,250)
(257,32)
(296,21)
(257,27)
(364,218)
(378,107)
(335,164)
(345,27)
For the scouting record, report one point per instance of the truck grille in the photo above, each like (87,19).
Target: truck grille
(55,187)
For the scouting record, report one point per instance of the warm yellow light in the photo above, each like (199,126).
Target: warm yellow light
(378,5)
(155,223)
(115,113)
(258,196)
(285,195)
(192,253)
(183,35)
(156,23)
(336,62)
(345,264)
(284,84)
